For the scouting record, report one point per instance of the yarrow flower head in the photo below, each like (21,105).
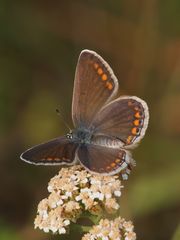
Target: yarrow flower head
(117,229)
(75,191)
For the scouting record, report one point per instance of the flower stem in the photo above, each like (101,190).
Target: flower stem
(80,228)
(93,218)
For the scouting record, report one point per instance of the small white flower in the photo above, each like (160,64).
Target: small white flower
(117,193)
(62,230)
(64,197)
(105,238)
(95,195)
(45,215)
(53,205)
(116,206)
(78,198)
(84,180)
(54,229)
(59,202)
(94,181)
(46,229)
(85,190)
(101,196)
(108,195)
(73,177)
(68,194)
(66,222)
(50,188)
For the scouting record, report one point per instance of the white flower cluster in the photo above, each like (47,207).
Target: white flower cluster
(73,191)
(117,229)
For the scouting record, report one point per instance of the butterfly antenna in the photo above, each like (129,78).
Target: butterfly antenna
(60,113)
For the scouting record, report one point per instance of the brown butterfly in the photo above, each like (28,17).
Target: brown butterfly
(104,129)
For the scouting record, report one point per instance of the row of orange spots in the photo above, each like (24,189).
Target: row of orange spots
(103,76)
(136,122)
(114,164)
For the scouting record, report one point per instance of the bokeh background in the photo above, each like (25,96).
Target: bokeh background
(39,46)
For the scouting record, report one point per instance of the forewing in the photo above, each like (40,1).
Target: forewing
(104,160)
(95,84)
(55,152)
(125,119)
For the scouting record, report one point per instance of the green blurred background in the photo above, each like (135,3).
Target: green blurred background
(39,46)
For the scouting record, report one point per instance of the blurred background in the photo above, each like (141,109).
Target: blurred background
(40,42)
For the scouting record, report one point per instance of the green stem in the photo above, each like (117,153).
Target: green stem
(79,228)
(93,218)
(83,228)
(86,228)
(96,219)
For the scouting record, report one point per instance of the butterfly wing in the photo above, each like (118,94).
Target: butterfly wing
(55,152)
(125,119)
(104,160)
(95,84)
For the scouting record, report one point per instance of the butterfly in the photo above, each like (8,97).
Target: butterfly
(105,129)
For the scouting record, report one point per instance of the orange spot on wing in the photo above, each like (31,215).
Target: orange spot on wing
(130,103)
(104,77)
(96,65)
(109,85)
(100,71)
(113,164)
(118,160)
(129,139)
(136,108)
(136,122)
(137,115)
(134,131)
(49,159)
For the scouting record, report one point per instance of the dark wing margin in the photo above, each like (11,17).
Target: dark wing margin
(58,151)
(95,84)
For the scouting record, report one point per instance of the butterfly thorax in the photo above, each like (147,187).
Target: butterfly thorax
(81,135)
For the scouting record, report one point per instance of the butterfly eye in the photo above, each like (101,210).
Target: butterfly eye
(69,135)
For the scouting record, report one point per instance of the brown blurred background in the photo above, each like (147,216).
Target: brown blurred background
(39,46)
